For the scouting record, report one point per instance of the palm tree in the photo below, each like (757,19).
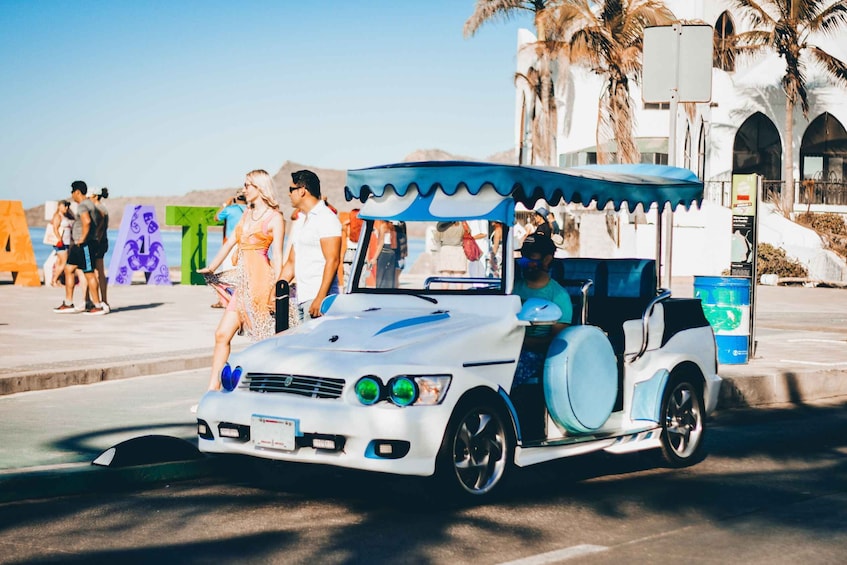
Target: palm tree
(786,26)
(541,83)
(542,119)
(608,38)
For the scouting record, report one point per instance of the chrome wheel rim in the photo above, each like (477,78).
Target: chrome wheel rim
(479,452)
(683,421)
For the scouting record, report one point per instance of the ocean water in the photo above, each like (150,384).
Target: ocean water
(172,240)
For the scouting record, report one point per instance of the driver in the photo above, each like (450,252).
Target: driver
(527,393)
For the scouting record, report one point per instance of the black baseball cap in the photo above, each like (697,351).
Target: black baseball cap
(538,243)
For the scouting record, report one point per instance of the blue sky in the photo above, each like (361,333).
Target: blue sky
(155,97)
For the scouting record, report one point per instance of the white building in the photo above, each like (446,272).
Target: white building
(740,131)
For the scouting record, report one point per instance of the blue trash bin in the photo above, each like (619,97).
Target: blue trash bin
(726,304)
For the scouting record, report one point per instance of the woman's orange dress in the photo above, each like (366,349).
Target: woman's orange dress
(250,292)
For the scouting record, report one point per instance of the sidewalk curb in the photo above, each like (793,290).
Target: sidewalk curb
(793,387)
(88,478)
(28,381)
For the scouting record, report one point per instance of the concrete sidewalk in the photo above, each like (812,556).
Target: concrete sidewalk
(801,357)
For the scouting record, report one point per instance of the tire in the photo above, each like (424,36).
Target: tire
(683,423)
(476,453)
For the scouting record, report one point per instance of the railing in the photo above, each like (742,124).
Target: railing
(806,192)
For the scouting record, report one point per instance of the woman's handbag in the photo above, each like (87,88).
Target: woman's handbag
(472,250)
(50,236)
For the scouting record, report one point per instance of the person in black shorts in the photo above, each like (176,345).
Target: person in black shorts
(99,247)
(80,255)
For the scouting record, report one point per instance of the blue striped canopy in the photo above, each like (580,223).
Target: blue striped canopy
(633,184)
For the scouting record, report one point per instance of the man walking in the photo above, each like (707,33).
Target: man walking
(316,248)
(80,254)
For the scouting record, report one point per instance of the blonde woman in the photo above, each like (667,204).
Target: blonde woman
(258,261)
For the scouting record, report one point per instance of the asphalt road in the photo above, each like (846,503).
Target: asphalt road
(773,490)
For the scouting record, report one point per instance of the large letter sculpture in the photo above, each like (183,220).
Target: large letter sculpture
(139,248)
(194,221)
(16,254)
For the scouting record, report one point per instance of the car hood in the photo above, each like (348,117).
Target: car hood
(377,330)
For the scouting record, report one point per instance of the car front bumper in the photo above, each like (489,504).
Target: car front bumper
(382,437)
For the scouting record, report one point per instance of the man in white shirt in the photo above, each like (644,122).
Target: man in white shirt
(316,248)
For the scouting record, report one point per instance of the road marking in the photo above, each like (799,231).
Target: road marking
(835,341)
(558,555)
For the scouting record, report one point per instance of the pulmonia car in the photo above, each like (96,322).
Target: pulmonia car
(414,375)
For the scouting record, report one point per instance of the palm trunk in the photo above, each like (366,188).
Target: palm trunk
(788,191)
(622,115)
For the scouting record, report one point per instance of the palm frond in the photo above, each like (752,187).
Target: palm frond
(492,10)
(834,67)
(830,19)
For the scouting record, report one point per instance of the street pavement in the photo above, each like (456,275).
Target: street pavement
(164,334)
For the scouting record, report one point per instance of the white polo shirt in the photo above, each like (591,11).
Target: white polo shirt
(309,260)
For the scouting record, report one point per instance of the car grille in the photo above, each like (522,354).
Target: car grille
(315,387)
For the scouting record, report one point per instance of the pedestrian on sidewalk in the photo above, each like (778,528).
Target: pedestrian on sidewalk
(258,234)
(80,253)
(99,247)
(61,224)
(316,247)
(230,214)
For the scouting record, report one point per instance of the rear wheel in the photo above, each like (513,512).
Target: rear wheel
(683,424)
(476,453)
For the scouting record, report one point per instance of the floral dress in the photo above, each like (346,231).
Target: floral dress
(249,288)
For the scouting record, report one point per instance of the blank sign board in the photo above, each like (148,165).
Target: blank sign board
(677,57)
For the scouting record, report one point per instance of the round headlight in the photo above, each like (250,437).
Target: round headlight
(368,390)
(230,377)
(403,391)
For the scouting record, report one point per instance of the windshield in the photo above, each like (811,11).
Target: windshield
(429,256)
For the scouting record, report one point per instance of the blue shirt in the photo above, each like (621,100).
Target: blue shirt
(230,216)
(553,292)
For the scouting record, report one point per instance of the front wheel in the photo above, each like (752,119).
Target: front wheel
(683,424)
(476,454)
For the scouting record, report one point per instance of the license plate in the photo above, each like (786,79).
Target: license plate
(269,432)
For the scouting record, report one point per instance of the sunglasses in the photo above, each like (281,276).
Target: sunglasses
(527,263)
(293,188)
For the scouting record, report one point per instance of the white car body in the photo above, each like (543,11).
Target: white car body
(473,336)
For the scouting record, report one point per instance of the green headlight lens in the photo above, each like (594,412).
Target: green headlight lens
(403,391)
(368,390)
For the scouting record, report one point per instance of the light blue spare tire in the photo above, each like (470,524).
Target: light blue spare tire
(580,379)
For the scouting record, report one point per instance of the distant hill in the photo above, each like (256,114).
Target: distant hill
(332,186)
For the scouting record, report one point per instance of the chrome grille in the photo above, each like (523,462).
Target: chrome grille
(315,387)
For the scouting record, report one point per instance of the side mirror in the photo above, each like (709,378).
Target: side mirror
(539,312)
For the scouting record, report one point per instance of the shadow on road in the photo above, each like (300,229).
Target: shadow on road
(758,460)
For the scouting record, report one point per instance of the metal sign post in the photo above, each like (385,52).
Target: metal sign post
(677,68)
(746,191)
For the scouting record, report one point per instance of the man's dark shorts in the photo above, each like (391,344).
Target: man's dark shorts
(99,248)
(81,257)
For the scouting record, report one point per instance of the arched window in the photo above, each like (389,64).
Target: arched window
(724,54)
(823,161)
(686,152)
(823,151)
(758,148)
(701,153)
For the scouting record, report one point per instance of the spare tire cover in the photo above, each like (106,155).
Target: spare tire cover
(580,379)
